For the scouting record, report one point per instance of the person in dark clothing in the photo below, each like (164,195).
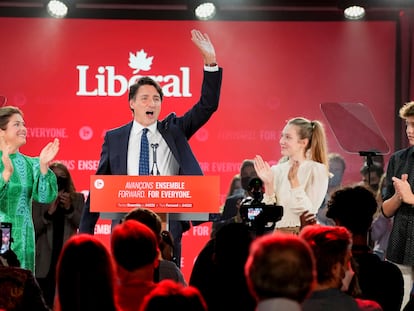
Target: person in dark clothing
(331,246)
(381,281)
(398,200)
(19,290)
(219,269)
(170,295)
(54,224)
(230,211)
(166,269)
(280,272)
(121,151)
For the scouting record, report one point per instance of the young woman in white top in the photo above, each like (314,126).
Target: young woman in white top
(299,183)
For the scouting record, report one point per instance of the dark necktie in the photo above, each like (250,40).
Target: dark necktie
(144,154)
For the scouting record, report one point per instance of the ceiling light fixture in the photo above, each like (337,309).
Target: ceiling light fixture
(205,10)
(353,9)
(354,12)
(57,9)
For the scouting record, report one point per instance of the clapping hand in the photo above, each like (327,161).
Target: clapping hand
(403,189)
(263,170)
(47,154)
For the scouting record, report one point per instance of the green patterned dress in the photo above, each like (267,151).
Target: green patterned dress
(25,184)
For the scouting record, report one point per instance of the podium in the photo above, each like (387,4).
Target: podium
(179,197)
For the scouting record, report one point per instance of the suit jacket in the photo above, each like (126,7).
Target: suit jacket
(400,248)
(44,231)
(176,131)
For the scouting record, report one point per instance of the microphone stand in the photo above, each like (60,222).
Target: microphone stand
(154,162)
(368,155)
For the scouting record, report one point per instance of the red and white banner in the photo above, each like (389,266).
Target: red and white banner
(71,76)
(162,194)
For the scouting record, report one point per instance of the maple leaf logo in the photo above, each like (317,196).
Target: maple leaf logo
(140,61)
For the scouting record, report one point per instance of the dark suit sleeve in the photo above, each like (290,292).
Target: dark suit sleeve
(207,104)
(178,130)
(89,219)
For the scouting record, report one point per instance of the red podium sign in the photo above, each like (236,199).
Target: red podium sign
(162,194)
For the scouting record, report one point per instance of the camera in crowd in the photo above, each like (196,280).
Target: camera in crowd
(260,217)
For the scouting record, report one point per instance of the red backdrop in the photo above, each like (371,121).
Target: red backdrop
(70,77)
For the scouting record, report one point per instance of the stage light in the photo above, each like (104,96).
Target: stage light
(354,12)
(57,9)
(353,9)
(205,10)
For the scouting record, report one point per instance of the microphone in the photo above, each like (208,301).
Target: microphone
(154,161)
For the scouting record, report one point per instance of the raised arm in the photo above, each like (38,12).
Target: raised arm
(202,41)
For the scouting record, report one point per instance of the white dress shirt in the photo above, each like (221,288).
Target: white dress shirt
(313,179)
(166,164)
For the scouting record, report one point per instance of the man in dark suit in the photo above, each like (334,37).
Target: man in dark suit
(168,137)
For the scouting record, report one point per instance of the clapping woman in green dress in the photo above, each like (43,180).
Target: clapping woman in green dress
(23,179)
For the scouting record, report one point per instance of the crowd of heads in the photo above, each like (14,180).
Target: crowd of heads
(280,266)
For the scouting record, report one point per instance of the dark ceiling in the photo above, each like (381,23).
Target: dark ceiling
(228,9)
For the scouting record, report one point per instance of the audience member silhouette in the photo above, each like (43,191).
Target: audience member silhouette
(135,250)
(167,245)
(85,276)
(235,186)
(220,267)
(331,246)
(371,175)
(170,295)
(382,281)
(19,290)
(337,168)
(201,273)
(374,178)
(381,226)
(54,224)
(166,269)
(280,272)
(230,211)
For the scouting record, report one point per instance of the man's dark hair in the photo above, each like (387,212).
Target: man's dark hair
(133,245)
(147,217)
(133,89)
(353,207)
